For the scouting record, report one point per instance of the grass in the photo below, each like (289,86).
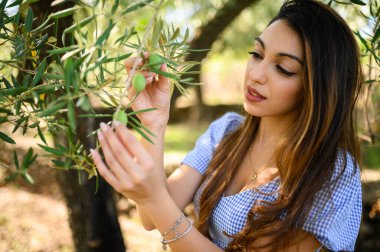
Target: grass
(371,156)
(181,138)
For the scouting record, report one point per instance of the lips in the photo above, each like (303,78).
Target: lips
(254,95)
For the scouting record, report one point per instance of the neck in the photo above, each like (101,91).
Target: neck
(271,131)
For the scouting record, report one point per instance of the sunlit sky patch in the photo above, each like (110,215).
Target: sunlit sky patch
(181,17)
(12,10)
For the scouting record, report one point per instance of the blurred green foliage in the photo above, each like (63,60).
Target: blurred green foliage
(371,156)
(46,86)
(181,138)
(47,96)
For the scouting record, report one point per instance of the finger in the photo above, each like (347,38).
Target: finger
(148,74)
(146,54)
(131,92)
(163,81)
(164,68)
(118,149)
(149,78)
(104,171)
(111,160)
(129,63)
(132,144)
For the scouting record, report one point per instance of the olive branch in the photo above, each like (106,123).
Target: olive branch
(46,87)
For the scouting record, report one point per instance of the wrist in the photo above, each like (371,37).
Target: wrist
(158,130)
(157,126)
(160,199)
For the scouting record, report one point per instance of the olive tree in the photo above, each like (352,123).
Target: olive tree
(56,76)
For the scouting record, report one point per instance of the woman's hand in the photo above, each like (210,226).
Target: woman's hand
(155,95)
(130,169)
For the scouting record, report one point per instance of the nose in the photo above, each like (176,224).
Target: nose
(258,72)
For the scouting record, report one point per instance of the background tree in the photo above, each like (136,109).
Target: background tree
(58,57)
(61,71)
(93,216)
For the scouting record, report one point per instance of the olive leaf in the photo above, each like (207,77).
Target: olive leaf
(6,138)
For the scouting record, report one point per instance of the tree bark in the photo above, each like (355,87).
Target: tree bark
(93,216)
(204,39)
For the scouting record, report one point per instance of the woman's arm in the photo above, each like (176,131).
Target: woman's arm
(164,212)
(181,186)
(156,95)
(183,182)
(156,150)
(131,170)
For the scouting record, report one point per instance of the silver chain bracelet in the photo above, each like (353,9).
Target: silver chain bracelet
(177,236)
(175,227)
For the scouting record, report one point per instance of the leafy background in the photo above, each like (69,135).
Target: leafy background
(57,84)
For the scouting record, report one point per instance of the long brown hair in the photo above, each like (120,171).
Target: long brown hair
(324,128)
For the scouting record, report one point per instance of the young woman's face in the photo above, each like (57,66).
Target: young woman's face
(273,78)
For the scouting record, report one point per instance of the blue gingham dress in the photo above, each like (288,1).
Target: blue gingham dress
(334,219)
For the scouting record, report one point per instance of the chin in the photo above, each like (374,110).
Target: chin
(254,111)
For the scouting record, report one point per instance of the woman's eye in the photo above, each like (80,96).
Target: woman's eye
(283,71)
(279,68)
(255,55)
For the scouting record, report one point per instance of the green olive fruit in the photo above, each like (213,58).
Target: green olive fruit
(139,82)
(155,61)
(120,116)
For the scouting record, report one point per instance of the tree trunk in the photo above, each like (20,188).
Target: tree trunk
(204,39)
(93,216)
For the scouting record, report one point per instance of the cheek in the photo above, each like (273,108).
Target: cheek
(247,69)
(296,93)
(291,92)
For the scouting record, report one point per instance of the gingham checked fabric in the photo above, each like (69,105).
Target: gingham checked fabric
(334,218)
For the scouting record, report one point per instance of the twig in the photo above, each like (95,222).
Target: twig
(135,64)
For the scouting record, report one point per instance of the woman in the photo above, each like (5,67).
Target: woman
(282,178)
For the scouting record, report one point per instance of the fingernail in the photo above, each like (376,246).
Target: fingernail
(92,152)
(100,135)
(103,126)
(149,79)
(117,123)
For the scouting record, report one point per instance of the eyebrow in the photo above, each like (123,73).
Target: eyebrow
(258,39)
